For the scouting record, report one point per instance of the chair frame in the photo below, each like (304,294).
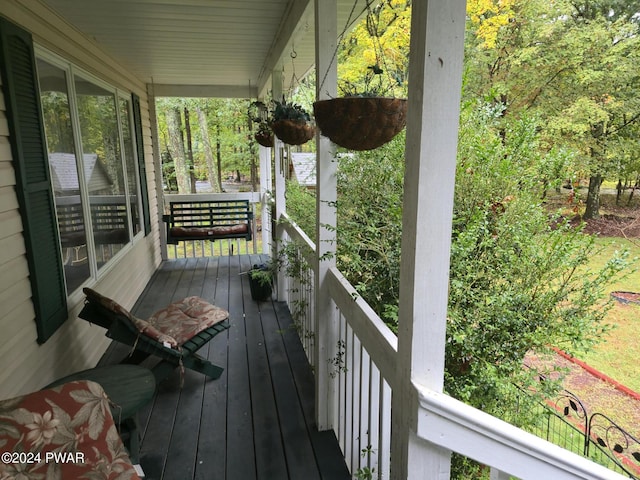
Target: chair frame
(121,329)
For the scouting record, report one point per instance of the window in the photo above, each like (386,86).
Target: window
(96,193)
(103,168)
(133,190)
(64,173)
(75,145)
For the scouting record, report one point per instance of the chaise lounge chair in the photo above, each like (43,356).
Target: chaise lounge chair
(173,334)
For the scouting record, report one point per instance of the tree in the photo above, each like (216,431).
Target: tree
(380,44)
(569,62)
(518,281)
(601,104)
(227,120)
(173,117)
(212,167)
(189,157)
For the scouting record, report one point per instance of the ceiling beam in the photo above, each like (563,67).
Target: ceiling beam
(293,19)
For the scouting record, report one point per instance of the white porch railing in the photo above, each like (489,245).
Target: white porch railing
(300,258)
(220,247)
(365,374)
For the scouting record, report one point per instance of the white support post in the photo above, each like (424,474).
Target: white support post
(435,80)
(265,196)
(326,13)
(280,177)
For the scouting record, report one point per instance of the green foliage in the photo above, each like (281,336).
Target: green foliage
(372,85)
(370,224)
(301,207)
(264,128)
(573,63)
(264,273)
(227,133)
(518,278)
(373,58)
(366,472)
(289,111)
(518,281)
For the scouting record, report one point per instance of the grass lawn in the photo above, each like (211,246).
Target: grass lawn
(618,355)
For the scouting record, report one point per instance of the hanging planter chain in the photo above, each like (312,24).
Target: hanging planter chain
(348,23)
(290,122)
(361,122)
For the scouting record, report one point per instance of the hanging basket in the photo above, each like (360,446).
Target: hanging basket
(293,133)
(264,138)
(361,123)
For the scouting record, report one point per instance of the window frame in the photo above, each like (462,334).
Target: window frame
(72,72)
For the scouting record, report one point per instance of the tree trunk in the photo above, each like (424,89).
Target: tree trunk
(212,171)
(190,163)
(592,209)
(176,147)
(219,156)
(633,189)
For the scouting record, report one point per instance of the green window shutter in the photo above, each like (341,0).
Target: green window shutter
(144,192)
(33,184)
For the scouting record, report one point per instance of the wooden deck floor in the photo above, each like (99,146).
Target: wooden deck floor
(254,422)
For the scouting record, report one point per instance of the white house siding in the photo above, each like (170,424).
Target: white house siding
(25,365)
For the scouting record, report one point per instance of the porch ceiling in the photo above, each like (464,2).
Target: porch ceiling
(217,47)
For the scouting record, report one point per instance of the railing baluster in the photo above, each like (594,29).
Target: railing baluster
(342,405)
(373,416)
(356,388)
(364,407)
(347,360)
(384,457)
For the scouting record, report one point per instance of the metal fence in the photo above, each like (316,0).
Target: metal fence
(567,423)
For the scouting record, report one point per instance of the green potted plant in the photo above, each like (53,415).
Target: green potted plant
(261,281)
(264,135)
(291,123)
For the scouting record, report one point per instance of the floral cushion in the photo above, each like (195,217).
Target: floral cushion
(149,330)
(212,231)
(173,325)
(141,325)
(62,433)
(186,318)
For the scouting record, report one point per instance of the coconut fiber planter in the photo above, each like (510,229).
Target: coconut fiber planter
(360,123)
(264,139)
(292,132)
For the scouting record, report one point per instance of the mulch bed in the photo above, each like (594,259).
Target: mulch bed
(611,225)
(616,222)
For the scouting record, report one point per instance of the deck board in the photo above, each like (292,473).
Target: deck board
(256,421)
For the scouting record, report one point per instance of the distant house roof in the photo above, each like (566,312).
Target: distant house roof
(64,173)
(304,168)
